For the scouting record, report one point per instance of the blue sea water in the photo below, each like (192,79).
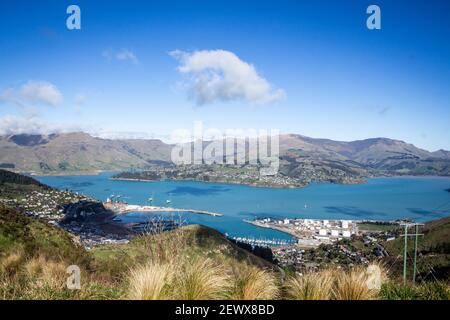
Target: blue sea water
(418,198)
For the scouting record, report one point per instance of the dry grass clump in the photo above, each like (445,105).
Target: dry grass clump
(46,273)
(311,286)
(254,284)
(33,278)
(356,284)
(201,280)
(353,285)
(45,279)
(149,282)
(184,280)
(161,246)
(360,283)
(10,264)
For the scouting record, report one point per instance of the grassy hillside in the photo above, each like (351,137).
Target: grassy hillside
(13,185)
(32,237)
(34,256)
(192,262)
(433,251)
(194,241)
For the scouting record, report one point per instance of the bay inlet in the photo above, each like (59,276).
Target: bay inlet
(418,198)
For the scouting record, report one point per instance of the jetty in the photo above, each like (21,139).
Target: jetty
(122,208)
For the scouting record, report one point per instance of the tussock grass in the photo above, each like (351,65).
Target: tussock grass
(353,285)
(311,286)
(149,282)
(184,280)
(359,283)
(43,273)
(11,263)
(163,247)
(254,284)
(201,280)
(33,278)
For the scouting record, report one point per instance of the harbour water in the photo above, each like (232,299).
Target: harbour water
(418,198)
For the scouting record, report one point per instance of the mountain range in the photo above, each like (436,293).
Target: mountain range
(82,153)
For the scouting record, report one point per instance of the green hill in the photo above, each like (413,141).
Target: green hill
(13,185)
(193,241)
(33,237)
(433,251)
(34,256)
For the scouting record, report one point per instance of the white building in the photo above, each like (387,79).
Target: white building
(323,232)
(344,224)
(335,233)
(346,234)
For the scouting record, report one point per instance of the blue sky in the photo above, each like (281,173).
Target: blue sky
(329,76)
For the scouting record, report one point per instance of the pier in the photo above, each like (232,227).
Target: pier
(122,208)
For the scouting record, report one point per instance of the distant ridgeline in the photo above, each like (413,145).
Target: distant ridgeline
(301,158)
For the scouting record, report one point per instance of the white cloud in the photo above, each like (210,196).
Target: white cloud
(10,124)
(219,75)
(33,92)
(105,134)
(17,125)
(41,92)
(126,54)
(121,55)
(32,124)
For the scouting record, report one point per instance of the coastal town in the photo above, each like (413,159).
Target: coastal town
(234,174)
(45,203)
(83,217)
(311,232)
(322,242)
(291,173)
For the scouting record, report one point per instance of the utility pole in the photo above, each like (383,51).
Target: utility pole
(405,250)
(415,250)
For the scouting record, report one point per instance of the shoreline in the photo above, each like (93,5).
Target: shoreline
(219,182)
(99,172)
(290,187)
(69,174)
(260,225)
(301,241)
